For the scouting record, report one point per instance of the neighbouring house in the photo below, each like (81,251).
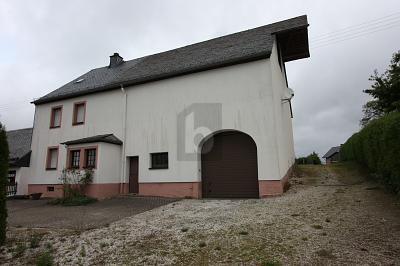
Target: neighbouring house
(19,145)
(333,155)
(208,120)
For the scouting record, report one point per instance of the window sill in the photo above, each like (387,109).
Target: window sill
(158,168)
(50,169)
(55,127)
(78,123)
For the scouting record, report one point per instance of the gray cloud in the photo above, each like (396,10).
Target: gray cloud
(45,44)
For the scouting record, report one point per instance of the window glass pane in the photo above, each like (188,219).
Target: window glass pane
(80,113)
(56,117)
(90,158)
(53,158)
(11,177)
(75,158)
(159,160)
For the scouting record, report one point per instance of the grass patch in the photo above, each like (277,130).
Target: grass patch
(316,226)
(83,251)
(270,263)
(19,250)
(44,259)
(73,201)
(34,242)
(309,170)
(325,254)
(349,172)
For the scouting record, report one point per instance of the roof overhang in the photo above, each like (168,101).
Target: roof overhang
(107,138)
(293,43)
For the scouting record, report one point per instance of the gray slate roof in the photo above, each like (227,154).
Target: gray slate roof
(107,138)
(19,142)
(331,152)
(231,49)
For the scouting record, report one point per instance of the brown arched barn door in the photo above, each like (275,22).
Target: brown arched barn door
(229,166)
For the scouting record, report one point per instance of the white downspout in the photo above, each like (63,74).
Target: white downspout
(123,164)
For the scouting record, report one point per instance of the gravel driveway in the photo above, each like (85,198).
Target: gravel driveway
(330,215)
(39,214)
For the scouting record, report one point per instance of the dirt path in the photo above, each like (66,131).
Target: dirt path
(330,215)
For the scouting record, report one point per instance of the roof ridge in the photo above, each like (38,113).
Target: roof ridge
(19,129)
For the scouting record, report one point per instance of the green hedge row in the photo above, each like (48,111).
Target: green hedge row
(377,146)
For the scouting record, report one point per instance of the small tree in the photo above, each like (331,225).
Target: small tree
(3,181)
(312,158)
(385,91)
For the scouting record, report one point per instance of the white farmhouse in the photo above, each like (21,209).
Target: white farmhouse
(212,119)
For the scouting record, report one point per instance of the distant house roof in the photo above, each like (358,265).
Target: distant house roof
(107,138)
(331,152)
(19,145)
(241,47)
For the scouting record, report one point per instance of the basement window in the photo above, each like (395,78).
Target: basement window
(159,160)
(50,189)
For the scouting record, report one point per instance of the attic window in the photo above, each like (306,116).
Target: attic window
(79,80)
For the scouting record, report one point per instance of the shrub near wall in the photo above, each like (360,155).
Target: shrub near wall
(377,146)
(3,180)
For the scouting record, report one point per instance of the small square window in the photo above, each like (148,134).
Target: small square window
(75,158)
(79,113)
(159,160)
(55,119)
(52,159)
(50,189)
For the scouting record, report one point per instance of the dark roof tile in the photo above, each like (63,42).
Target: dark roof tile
(331,152)
(19,142)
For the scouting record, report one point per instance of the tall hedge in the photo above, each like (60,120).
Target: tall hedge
(3,182)
(377,146)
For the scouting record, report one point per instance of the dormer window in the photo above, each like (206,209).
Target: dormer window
(55,118)
(79,113)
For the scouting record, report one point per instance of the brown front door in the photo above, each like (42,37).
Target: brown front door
(134,174)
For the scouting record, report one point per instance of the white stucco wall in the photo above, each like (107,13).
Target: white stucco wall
(250,96)
(103,115)
(283,121)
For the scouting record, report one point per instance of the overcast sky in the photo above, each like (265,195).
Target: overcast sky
(45,44)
